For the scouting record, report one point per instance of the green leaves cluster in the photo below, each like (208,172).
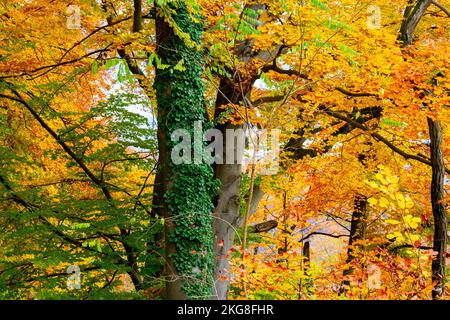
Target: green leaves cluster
(47,227)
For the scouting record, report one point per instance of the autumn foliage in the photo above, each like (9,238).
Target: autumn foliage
(351,196)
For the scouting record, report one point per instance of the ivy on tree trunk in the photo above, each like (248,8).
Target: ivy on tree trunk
(185,190)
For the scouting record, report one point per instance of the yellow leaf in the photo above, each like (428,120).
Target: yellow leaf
(379,176)
(400,201)
(409,203)
(384,203)
(399,237)
(391,221)
(372,201)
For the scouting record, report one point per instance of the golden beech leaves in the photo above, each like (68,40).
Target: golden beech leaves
(316,193)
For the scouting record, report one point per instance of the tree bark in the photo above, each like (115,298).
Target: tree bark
(184,191)
(412,16)
(306,261)
(439,214)
(357,233)
(226,217)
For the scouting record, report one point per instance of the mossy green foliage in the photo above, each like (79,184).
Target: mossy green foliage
(60,224)
(190,186)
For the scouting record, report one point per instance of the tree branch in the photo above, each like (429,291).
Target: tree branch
(412,16)
(137,16)
(403,246)
(323,234)
(91,34)
(59,140)
(366,114)
(50,67)
(380,138)
(267,99)
(355,94)
(274,66)
(31,207)
(290,72)
(442,7)
(53,275)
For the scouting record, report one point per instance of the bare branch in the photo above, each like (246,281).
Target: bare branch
(290,72)
(403,246)
(355,94)
(380,138)
(267,99)
(323,234)
(442,7)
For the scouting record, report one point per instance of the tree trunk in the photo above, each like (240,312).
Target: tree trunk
(306,253)
(412,16)
(226,213)
(357,232)
(305,264)
(439,214)
(184,190)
